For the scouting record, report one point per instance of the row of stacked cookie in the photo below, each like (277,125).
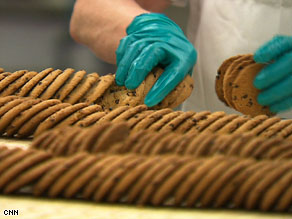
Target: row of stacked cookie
(115,138)
(172,180)
(76,87)
(234,85)
(24,117)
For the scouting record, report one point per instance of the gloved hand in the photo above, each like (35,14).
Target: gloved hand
(276,78)
(154,39)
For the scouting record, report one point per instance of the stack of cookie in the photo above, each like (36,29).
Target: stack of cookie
(159,180)
(79,87)
(116,138)
(234,85)
(26,117)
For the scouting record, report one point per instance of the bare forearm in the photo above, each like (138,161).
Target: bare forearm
(101,24)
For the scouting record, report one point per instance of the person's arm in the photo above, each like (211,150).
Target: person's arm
(101,24)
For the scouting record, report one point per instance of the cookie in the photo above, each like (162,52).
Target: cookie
(54,119)
(251,123)
(263,185)
(29,176)
(275,128)
(157,180)
(9,117)
(215,189)
(29,127)
(60,184)
(44,83)
(220,76)
(56,84)
(150,119)
(28,114)
(178,95)
(202,124)
(84,86)
(172,182)
(10,105)
(113,114)
(103,174)
(72,82)
(99,89)
(138,117)
(47,180)
(26,89)
(191,122)
(21,165)
(206,180)
(129,180)
(130,113)
(233,125)
(78,115)
(265,125)
(88,139)
(5,82)
(231,73)
(173,124)
(61,148)
(12,88)
(107,185)
(90,119)
(220,123)
(244,94)
(202,169)
(156,126)
(82,180)
(115,133)
(275,191)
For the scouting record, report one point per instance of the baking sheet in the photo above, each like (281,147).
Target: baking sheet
(33,207)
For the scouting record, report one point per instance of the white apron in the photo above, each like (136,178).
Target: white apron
(220,29)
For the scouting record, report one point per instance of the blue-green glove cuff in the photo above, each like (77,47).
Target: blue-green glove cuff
(142,21)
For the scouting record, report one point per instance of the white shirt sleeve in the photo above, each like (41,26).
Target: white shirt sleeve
(179,3)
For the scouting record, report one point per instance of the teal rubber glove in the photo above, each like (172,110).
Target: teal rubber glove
(276,78)
(154,39)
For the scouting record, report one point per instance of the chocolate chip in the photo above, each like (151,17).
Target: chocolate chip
(112,91)
(218,73)
(117,101)
(40,83)
(245,96)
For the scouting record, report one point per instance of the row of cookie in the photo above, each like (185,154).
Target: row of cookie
(234,85)
(115,138)
(76,87)
(217,181)
(24,117)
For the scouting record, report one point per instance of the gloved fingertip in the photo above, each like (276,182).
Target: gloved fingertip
(258,57)
(275,109)
(149,102)
(262,99)
(131,85)
(259,81)
(120,76)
